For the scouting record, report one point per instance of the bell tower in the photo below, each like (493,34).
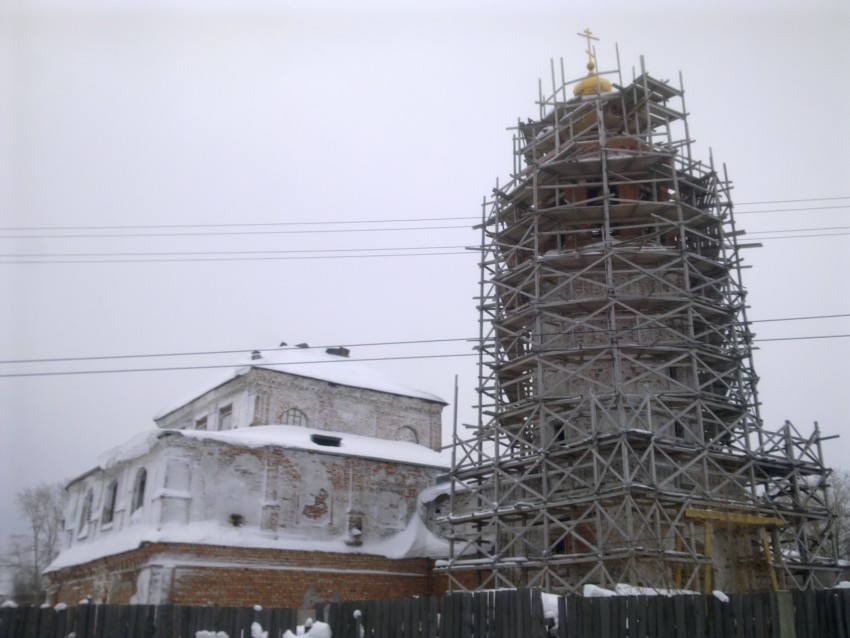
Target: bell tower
(619,437)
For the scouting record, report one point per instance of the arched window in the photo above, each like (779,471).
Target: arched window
(294,416)
(407,433)
(139,489)
(85,512)
(109,503)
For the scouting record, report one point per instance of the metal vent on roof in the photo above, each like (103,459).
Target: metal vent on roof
(256,355)
(339,351)
(301,345)
(326,439)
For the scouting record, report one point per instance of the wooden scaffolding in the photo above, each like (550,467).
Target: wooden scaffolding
(619,437)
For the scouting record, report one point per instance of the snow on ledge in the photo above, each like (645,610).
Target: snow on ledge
(284,436)
(415,541)
(594,591)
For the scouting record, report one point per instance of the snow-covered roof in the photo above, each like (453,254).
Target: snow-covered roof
(285,436)
(315,364)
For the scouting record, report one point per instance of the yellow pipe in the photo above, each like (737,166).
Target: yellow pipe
(708,550)
(767,555)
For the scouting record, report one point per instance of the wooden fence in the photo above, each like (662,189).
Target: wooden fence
(491,614)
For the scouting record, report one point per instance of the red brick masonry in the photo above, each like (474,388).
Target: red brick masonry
(211,575)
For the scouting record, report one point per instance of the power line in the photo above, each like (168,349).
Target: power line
(333,222)
(326,253)
(229,252)
(801,318)
(239,351)
(787,210)
(178,368)
(209,259)
(759,237)
(800,230)
(231,233)
(803,338)
(793,201)
(361,345)
(373,344)
(341,360)
(237,225)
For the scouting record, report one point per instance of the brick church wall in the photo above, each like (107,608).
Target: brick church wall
(213,575)
(263,397)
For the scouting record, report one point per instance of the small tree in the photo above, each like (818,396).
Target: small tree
(841,508)
(29,554)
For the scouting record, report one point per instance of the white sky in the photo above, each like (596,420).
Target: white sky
(133,114)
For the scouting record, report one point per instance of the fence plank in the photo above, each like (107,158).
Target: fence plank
(486,614)
(632,627)
(391,617)
(377,619)
(666,616)
(537,614)
(739,615)
(518,625)
(844,618)
(512,621)
(761,615)
(109,621)
(679,610)
(561,618)
(46,620)
(695,616)
(430,621)
(31,624)
(772,615)
(810,614)
(84,622)
(8,617)
(573,614)
(590,619)
(500,610)
(620,628)
(479,614)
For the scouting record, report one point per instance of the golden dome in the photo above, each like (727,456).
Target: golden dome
(592,84)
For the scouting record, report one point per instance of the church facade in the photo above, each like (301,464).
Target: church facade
(301,477)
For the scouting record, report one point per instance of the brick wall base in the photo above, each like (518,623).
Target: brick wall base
(183,574)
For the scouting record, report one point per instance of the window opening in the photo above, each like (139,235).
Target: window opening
(201,424)
(225,417)
(294,416)
(325,439)
(139,489)
(109,503)
(85,512)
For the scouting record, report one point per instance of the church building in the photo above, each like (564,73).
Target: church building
(300,478)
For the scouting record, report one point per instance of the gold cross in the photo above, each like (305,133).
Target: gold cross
(587,34)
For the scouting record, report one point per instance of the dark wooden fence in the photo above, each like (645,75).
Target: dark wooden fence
(491,614)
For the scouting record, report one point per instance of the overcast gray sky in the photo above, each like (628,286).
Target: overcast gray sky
(251,117)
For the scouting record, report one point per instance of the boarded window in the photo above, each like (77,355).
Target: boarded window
(407,433)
